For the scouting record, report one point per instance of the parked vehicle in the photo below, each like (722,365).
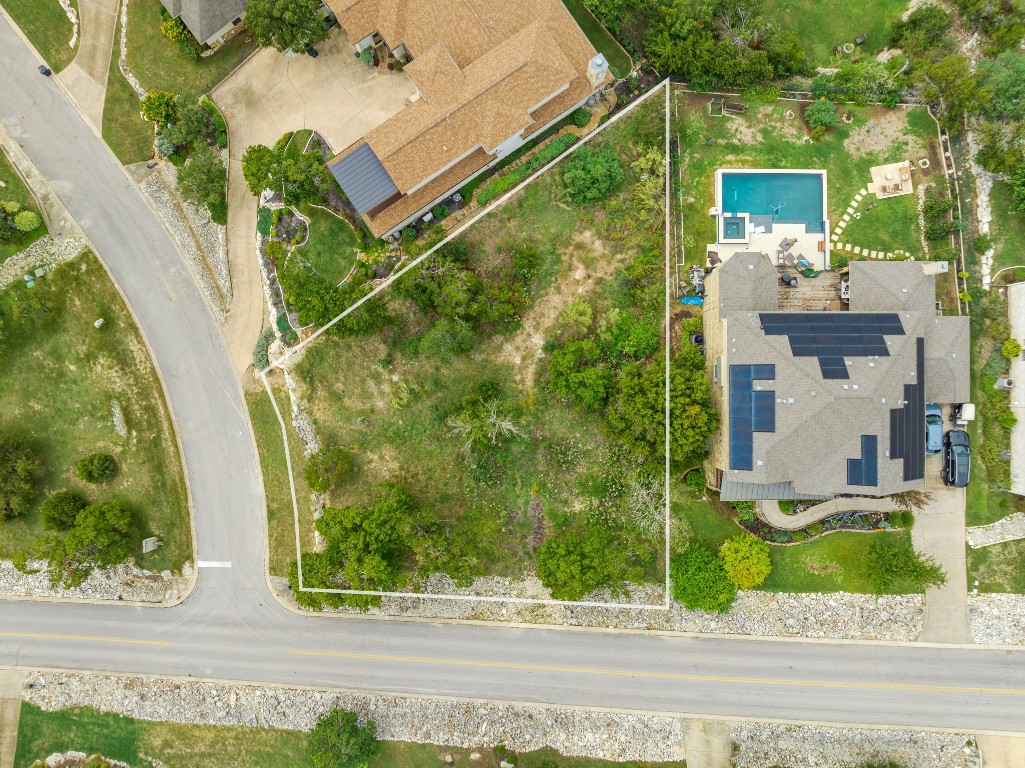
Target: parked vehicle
(44,70)
(957,458)
(933,429)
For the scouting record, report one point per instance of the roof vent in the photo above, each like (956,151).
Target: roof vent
(597,68)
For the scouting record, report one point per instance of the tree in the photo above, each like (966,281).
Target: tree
(27,221)
(339,741)
(96,468)
(591,176)
(448,338)
(895,567)
(326,468)
(699,581)
(103,534)
(1011,348)
(288,25)
(572,566)
(159,107)
(20,468)
(746,561)
(60,510)
(577,373)
(821,114)
(193,122)
(1005,77)
(202,180)
(951,85)
(258,167)
(483,424)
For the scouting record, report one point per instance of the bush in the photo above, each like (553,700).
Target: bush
(746,561)
(815,529)
(1010,348)
(591,175)
(339,741)
(503,184)
(218,210)
(275,250)
(581,117)
(261,357)
(282,323)
(1007,419)
(936,207)
(159,107)
(839,261)
(699,581)
(983,243)
(326,468)
(822,114)
(439,211)
(96,468)
(20,468)
(176,31)
(165,144)
(60,510)
(895,567)
(572,566)
(27,221)
(938,229)
(448,338)
(818,133)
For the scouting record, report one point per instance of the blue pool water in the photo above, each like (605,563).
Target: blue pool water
(790,198)
(733,227)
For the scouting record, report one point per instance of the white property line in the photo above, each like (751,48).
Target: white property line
(452,235)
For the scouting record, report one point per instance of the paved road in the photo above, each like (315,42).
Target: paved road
(231,628)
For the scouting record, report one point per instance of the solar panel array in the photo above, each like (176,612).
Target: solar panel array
(865,471)
(751,411)
(907,424)
(832,336)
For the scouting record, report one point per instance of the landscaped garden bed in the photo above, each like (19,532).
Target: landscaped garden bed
(19,218)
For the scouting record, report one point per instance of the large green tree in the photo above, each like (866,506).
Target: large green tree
(572,566)
(1005,77)
(288,25)
(339,741)
(202,180)
(20,469)
(895,567)
(591,175)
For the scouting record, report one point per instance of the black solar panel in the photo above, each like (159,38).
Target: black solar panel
(907,424)
(865,471)
(750,411)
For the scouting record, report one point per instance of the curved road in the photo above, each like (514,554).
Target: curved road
(231,627)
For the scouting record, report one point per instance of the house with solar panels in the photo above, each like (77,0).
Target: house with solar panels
(815,404)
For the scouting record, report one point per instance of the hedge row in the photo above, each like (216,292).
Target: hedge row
(503,184)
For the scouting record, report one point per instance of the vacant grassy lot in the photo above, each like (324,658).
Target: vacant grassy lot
(196,746)
(820,26)
(280,515)
(64,379)
(998,568)
(765,138)
(331,249)
(47,27)
(16,190)
(603,42)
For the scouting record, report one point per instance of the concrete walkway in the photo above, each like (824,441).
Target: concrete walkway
(1016,316)
(11,684)
(86,76)
(770,512)
(1002,751)
(707,743)
(940,533)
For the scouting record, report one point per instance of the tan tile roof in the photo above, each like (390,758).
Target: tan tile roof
(481,66)
(408,205)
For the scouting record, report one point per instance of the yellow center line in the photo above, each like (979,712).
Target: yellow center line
(86,638)
(660,675)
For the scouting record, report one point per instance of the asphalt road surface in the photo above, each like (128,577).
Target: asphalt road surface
(231,627)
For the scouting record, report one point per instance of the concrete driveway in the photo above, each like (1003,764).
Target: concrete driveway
(86,77)
(337,95)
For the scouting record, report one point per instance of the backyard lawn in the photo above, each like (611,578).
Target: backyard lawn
(66,380)
(998,568)
(603,42)
(331,249)
(297,144)
(47,27)
(16,190)
(765,138)
(205,746)
(820,26)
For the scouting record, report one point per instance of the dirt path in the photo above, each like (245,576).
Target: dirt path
(86,76)
(586,263)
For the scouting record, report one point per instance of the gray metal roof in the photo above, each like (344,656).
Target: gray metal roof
(363,179)
(733,490)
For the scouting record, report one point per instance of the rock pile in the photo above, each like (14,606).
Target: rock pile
(78,760)
(119,582)
(997,619)
(1006,529)
(45,252)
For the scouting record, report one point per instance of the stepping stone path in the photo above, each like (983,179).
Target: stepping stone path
(857,250)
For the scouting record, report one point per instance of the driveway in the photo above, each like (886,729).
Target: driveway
(86,76)
(337,95)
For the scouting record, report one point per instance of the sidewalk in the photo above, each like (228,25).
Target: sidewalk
(86,77)
(770,512)
(11,682)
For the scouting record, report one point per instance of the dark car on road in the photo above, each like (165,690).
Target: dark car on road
(957,458)
(933,428)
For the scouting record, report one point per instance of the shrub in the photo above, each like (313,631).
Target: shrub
(572,566)
(822,114)
(159,107)
(839,261)
(696,482)
(60,510)
(815,529)
(1010,348)
(339,741)
(275,250)
(983,243)
(591,175)
(938,229)
(439,211)
(448,338)
(895,567)
(1007,419)
(27,221)
(326,468)
(218,210)
(282,323)
(503,184)
(96,468)
(20,468)
(367,56)
(581,117)
(165,145)
(818,133)
(746,561)
(576,316)
(176,31)
(936,207)
(699,581)
(261,357)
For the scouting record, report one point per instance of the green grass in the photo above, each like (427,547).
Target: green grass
(297,144)
(126,133)
(765,138)
(159,65)
(280,515)
(331,247)
(820,26)
(47,27)
(603,42)
(62,377)
(16,190)
(205,746)
(998,568)
(1007,230)
(833,563)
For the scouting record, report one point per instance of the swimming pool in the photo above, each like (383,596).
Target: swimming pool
(733,227)
(789,197)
